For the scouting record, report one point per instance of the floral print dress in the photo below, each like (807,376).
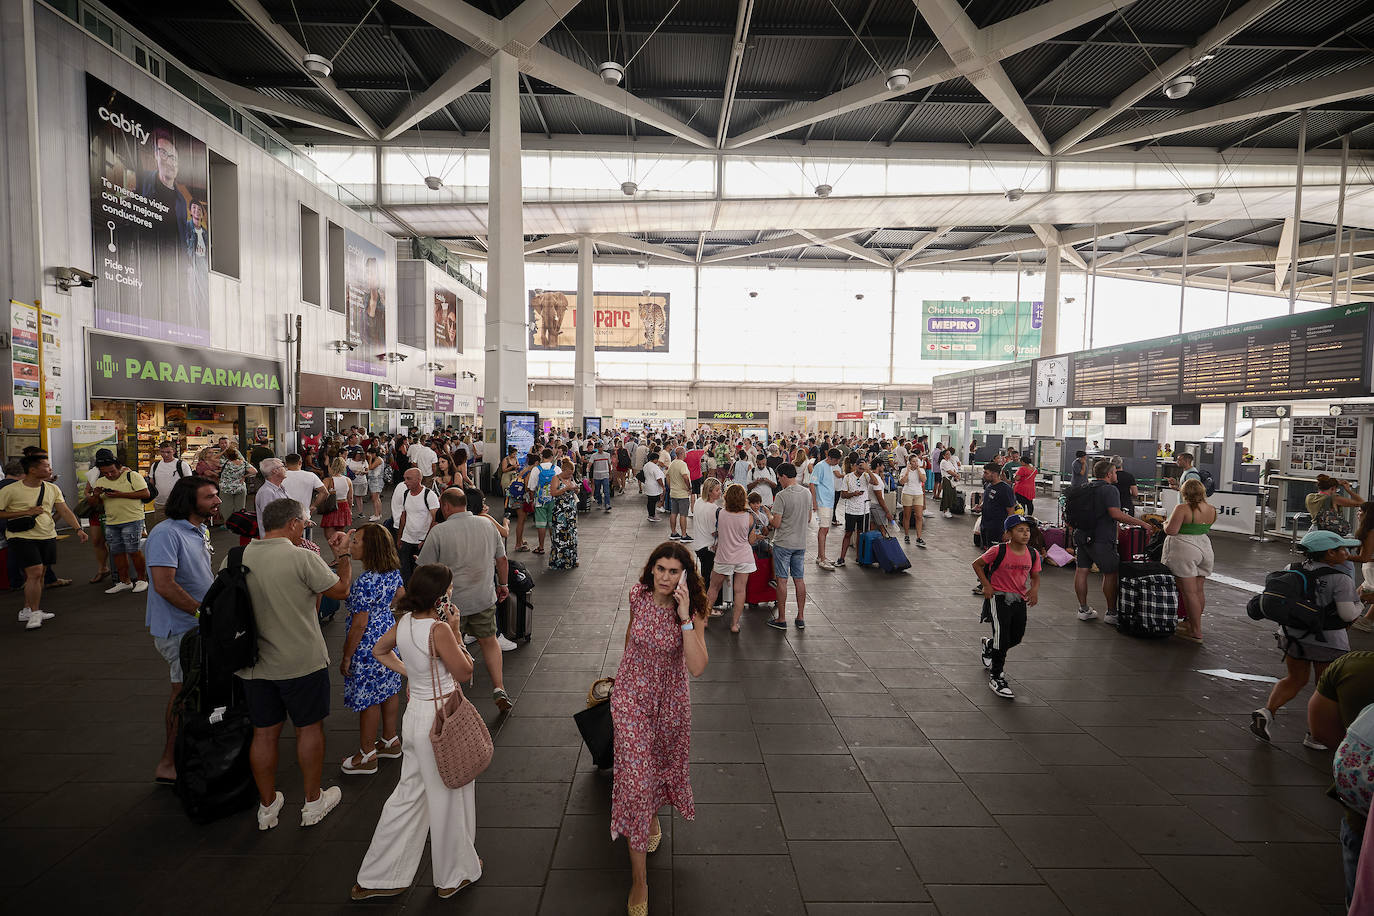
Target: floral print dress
(369,682)
(652,711)
(563,545)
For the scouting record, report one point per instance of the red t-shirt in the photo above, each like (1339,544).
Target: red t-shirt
(1025,481)
(1013,574)
(693,459)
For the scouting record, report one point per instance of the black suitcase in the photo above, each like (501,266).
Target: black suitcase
(960,504)
(515,617)
(214,778)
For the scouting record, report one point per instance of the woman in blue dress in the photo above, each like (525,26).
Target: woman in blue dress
(370,689)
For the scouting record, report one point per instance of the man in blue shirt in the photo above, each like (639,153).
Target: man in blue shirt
(823,501)
(178,557)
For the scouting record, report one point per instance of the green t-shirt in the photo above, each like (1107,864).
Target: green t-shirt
(283,580)
(1349,682)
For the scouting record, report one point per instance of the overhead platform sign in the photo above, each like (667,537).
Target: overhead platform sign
(980,330)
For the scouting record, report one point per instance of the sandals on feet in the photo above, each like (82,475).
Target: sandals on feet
(100,576)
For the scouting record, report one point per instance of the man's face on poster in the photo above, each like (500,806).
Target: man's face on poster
(166,153)
(197,214)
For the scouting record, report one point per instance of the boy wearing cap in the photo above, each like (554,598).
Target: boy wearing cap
(1326,550)
(1010,574)
(122,492)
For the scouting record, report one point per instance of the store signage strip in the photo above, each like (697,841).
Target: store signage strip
(128,368)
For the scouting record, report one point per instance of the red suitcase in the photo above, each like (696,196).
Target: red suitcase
(760,589)
(1055,536)
(1132,542)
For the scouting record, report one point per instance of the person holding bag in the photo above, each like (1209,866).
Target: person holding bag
(423,803)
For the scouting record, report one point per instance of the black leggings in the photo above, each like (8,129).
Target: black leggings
(651,503)
(706,557)
(1028,504)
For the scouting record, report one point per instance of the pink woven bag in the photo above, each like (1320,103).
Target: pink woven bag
(460,738)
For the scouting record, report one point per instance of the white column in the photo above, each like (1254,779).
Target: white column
(507,338)
(584,370)
(1228,445)
(1049,328)
(1297,217)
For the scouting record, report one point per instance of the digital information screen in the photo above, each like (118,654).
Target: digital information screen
(1139,373)
(1002,388)
(952,392)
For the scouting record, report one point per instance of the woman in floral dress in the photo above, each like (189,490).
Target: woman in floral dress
(370,689)
(563,544)
(234,472)
(652,708)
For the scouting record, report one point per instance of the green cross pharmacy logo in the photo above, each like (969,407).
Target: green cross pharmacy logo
(107,365)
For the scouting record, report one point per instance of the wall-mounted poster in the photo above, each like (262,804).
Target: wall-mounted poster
(448,325)
(1325,445)
(365,289)
(980,330)
(52,368)
(625,322)
(150,220)
(24,365)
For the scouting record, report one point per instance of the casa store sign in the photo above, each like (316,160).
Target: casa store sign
(335,393)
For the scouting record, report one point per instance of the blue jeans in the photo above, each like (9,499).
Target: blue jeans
(601,491)
(789,564)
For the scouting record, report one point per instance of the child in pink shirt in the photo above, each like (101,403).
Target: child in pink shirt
(1010,576)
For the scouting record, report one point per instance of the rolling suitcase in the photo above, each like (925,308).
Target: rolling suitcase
(868,546)
(760,589)
(517,613)
(890,555)
(959,504)
(1055,536)
(1147,603)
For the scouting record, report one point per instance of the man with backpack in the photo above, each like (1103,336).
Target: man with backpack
(291,673)
(413,507)
(162,476)
(1093,511)
(178,552)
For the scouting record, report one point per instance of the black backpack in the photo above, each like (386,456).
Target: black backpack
(177,464)
(1289,599)
(1209,483)
(226,617)
(1080,506)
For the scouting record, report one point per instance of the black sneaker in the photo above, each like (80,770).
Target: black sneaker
(799,624)
(906,538)
(777,624)
(987,651)
(674,537)
(685,537)
(920,543)
(998,685)
(1259,723)
(978,589)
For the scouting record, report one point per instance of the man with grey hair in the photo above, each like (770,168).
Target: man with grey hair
(291,674)
(273,488)
(679,495)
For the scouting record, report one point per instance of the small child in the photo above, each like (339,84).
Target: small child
(1010,574)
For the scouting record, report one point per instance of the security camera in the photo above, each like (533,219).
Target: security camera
(67,277)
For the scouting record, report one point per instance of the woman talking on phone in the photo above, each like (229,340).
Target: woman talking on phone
(652,708)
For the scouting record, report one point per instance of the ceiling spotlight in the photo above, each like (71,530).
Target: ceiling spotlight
(1206,57)
(753,294)
(341,346)
(391,357)
(611,73)
(858,296)
(1030,271)
(823,190)
(1069,300)
(317,66)
(433,367)
(1154,273)
(772,265)
(1180,86)
(1015,194)
(629,188)
(1205,198)
(898,79)
(646,293)
(641,263)
(964,298)
(434,182)
(537,291)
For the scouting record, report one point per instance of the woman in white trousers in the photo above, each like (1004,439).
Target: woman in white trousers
(421,805)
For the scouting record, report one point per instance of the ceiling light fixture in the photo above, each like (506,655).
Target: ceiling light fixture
(611,73)
(317,66)
(898,79)
(434,182)
(646,293)
(629,188)
(1180,86)
(823,190)
(391,357)
(341,346)
(641,263)
(433,367)
(859,296)
(1205,198)
(772,265)
(964,298)
(1015,194)
(753,294)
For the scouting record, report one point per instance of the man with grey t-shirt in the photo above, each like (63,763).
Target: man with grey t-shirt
(790,515)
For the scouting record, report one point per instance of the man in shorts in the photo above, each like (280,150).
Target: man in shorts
(822,485)
(1096,542)
(790,515)
(474,550)
(122,494)
(35,548)
(291,676)
(179,565)
(679,495)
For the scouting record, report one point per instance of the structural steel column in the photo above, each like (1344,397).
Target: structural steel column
(1049,327)
(1297,217)
(506,370)
(584,367)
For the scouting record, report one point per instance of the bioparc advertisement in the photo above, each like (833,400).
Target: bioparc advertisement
(448,318)
(625,322)
(150,221)
(980,330)
(365,288)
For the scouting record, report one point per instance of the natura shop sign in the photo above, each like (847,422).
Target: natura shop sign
(733,415)
(335,392)
(129,368)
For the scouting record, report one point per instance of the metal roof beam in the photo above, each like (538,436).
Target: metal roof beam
(921,244)
(650,248)
(781,243)
(842,62)
(849,247)
(1339,277)
(464,22)
(467,73)
(1313,251)
(1051,237)
(549,241)
(256,101)
(262,20)
(1157,77)
(1155,242)
(1348,85)
(733,68)
(1067,239)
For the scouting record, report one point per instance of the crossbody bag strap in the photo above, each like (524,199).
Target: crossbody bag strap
(434,673)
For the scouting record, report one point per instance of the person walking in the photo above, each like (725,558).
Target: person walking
(178,552)
(370,689)
(790,517)
(291,675)
(273,488)
(1096,543)
(122,493)
(824,475)
(1188,554)
(421,806)
(600,462)
(34,543)
(163,475)
(1326,504)
(651,705)
(913,484)
(234,472)
(854,503)
(342,488)
(704,526)
(679,495)
(376,481)
(735,539)
(949,488)
(1024,485)
(540,489)
(413,506)
(653,484)
(1010,576)
(563,534)
(475,552)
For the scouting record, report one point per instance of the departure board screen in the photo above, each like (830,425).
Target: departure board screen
(952,392)
(1009,388)
(1139,373)
(1311,354)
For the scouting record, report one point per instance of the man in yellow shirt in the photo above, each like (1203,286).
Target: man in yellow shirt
(36,547)
(123,491)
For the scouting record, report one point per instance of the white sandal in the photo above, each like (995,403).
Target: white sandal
(391,750)
(368,767)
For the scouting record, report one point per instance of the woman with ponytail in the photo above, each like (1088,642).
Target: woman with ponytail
(1188,553)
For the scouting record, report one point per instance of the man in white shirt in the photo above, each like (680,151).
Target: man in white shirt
(273,472)
(654,477)
(163,474)
(762,479)
(412,513)
(304,487)
(423,458)
(900,454)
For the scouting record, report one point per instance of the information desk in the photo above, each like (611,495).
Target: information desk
(1235,511)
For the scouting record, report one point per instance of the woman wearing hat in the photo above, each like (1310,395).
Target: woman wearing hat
(1304,652)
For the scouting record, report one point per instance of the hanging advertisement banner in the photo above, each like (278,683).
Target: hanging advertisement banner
(980,330)
(52,368)
(24,365)
(150,220)
(625,322)
(447,325)
(365,294)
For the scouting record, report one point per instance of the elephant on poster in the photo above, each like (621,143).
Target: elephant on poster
(550,309)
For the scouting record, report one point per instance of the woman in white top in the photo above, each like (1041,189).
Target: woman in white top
(913,482)
(704,526)
(949,473)
(421,805)
(358,465)
(341,517)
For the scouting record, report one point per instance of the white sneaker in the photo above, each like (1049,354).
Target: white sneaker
(469,640)
(1087,614)
(927,515)
(505,644)
(949,514)
(35,621)
(1109,619)
(1310,742)
(267,816)
(140,586)
(24,615)
(312,812)
(119,587)
(374,518)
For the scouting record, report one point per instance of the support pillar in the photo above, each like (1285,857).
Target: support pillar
(507,377)
(584,367)
(1049,326)
(1297,217)
(1340,218)
(1228,446)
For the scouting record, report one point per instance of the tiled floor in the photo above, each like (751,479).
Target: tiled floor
(859,768)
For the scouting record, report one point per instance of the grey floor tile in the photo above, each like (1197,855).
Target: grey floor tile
(1067,841)
(1120,891)
(920,804)
(832,816)
(732,783)
(965,900)
(970,756)
(855,871)
(1165,830)
(1234,886)
(903,764)
(810,738)
(945,724)
(880,731)
(814,773)
(1254,819)
(1022,793)
(966,855)
(737,885)
(736,829)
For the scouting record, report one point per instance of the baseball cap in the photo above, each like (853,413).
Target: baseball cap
(1322,541)
(104,458)
(1013,520)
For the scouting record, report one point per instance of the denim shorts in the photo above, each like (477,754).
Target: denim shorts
(169,647)
(123,538)
(789,564)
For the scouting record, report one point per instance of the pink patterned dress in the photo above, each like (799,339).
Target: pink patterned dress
(652,710)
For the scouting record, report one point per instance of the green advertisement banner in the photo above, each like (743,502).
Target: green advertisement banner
(980,330)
